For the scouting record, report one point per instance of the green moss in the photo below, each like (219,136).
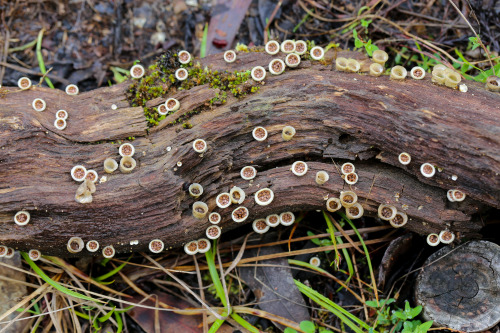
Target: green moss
(160,81)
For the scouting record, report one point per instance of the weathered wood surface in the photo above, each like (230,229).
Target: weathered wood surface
(338,117)
(460,287)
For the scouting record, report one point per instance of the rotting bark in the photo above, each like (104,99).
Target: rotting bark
(338,117)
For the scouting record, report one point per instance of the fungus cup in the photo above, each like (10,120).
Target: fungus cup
(315,261)
(317,53)
(78,173)
(200,209)
(387,212)
(223,200)
(398,73)
(376,69)
(248,173)
(72,89)
(127,164)
(287,218)
(264,197)
(300,47)
(237,195)
(299,168)
(10,253)
(92,176)
(458,195)
(449,195)
(427,170)
(108,251)
(399,220)
(322,177)
(126,149)
(240,214)
(446,237)
(110,165)
(452,79)
(181,74)
(348,198)
(24,83)
(333,204)
(273,220)
(195,190)
(292,60)
(22,217)
(84,192)
(276,66)
(258,73)
(92,246)
(288,133)
(34,255)
(493,83)
(214,218)
(137,71)
(353,65)
(75,245)
(184,57)
(200,146)
(3,251)
(351,178)
(260,226)
(404,158)
(60,124)
(347,168)
(417,73)
(62,114)
(355,211)
(172,105)
(191,248)
(39,104)
(156,246)
(162,109)
(288,46)
(203,245)
(380,57)
(438,76)
(213,232)
(229,56)
(433,239)
(272,47)
(341,64)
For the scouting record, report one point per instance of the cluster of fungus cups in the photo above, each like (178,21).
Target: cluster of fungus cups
(348,200)
(389,213)
(127,162)
(6,252)
(347,65)
(455,195)
(443,75)
(348,173)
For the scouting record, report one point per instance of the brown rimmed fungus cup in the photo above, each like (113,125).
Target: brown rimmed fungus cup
(347,168)
(34,255)
(214,218)
(127,164)
(108,251)
(229,56)
(273,220)
(200,146)
(433,240)
(22,217)
(351,178)
(213,232)
(348,198)
(387,212)
(264,197)
(92,246)
(260,226)
(299,168)
(248,173)
(287,218)
(191,248)
(446,237)
(355,211)
(156,246)
(399,220)
(78,173)
(272,47)
(126,149)
(333,204)
(137,71)
(184,57)
(404,158)
(195,190)
(203,245)
(322,177)
(240,214)
(75,245)
(223,200)
(237,195)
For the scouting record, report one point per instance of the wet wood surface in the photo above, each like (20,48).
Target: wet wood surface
(338,116)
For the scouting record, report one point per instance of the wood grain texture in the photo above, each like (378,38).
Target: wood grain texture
(338,117)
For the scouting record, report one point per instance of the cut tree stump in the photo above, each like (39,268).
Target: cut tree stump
(460,287)
(338,117)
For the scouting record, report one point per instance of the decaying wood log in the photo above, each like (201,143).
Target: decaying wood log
(460,287)
(338,117)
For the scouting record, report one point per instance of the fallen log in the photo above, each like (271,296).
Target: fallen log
(338,117)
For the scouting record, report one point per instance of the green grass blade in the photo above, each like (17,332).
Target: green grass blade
(119,322)
(347,257)
(304,19)
(203,47)
(345,316)
(216,325)
(368,260)
(112,272)
(244,323)
(106,316)
(210,255)
(39,57)
(53,283)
